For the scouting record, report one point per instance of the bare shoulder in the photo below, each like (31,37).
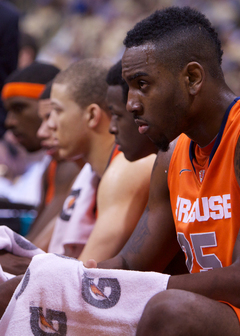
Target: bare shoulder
(121,199)
(122,172)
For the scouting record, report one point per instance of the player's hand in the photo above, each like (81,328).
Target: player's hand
(73,250)
(91,263)
(6,291)
(13,264)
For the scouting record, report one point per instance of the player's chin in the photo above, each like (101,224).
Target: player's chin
(130,156)
(162,143)
(63,154)
(56,156)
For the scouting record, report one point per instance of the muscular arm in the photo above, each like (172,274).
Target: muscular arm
(153,243)
(121,200)
(218,284)
(65,174)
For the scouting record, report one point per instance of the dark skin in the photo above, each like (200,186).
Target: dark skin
(12,263)
(124,128)
(6,292)
(23,120)
(155,235)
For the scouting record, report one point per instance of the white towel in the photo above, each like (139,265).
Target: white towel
(17,245)
(59,296)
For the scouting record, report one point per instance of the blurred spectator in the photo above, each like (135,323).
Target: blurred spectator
(9,17)
(68,30)
(28,49)
(20,95)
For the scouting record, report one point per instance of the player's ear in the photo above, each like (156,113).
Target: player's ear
(194,75)
(93,114)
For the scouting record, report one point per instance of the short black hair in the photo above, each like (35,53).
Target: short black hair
(185,31)
(37,73)
(114,77)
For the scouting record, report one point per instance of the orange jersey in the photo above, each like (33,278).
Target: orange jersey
(51,173)
(207,214)
(114,153)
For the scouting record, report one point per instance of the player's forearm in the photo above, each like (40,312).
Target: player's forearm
(221,284)
(12,263)
(6,291)
(113,263)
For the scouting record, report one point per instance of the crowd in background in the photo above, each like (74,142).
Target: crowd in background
(66,30)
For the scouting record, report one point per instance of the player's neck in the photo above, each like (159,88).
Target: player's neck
(100,153)
(208,121)
(80,162)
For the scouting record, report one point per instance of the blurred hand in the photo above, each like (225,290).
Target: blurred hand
(6,291)
(13,264)
(91,263)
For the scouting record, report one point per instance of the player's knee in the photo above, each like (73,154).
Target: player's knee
(166,313)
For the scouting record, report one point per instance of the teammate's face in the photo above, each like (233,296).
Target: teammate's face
(44,133)
(67,123)
(23,120)
(157,98)
(133,144)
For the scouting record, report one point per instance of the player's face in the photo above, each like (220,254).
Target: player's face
(23,120)
(133,144)
(157,97)
(44,133)
(67,123)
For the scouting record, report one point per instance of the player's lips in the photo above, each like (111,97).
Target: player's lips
(142,126)
(52,151)
(117,141)
(50,147)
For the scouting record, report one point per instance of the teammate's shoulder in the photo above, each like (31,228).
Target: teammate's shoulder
(120,163)
(118,166)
